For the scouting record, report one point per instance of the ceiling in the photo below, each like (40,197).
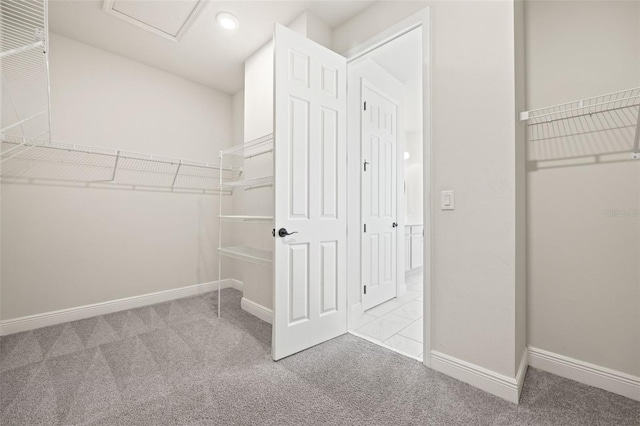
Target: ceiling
(204,53)
(165,18)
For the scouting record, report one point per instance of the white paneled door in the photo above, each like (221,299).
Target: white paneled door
(380,231)
(310,270)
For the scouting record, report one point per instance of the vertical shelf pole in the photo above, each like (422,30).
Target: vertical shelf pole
(220,230)
(46,64)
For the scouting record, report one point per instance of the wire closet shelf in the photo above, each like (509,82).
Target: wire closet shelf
(24,67)
(620,105)
(33,161)
(254,148)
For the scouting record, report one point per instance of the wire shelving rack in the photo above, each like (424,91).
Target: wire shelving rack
(242,152)
(621,107)
(24,69)
(33,161)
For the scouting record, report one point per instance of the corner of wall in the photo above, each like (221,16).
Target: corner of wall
(237,117)
(521,187)
(318,31)
(310,26)
(299,24)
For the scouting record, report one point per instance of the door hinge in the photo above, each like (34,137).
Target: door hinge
(365,164)
(365,227)
(365,105)
(365,289)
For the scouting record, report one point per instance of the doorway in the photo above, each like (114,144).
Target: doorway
(316,120)
(388,82)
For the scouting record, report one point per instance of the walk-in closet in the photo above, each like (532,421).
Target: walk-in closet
(326,212)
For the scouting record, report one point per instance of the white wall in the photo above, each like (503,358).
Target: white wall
(583,279)
(237,117)
(312,27)
(413,170)
(474,278)
(63,247)
(414,179)
(521,185)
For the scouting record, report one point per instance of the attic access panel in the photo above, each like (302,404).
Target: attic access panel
(168,19)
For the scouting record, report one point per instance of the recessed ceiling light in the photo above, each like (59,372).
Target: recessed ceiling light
(227,20)
(406,155)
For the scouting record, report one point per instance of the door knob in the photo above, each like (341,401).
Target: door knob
(282,232)
(394,224)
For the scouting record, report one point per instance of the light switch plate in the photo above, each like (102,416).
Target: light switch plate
(447,201)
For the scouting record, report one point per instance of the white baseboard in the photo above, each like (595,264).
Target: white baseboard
(355,314)
(584,372)
(522,370)
(31,322)
(257,310)
(489,381)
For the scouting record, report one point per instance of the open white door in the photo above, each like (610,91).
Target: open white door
(310,291)
(379,197)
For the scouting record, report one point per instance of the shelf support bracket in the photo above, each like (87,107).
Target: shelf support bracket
(19,123)
(115,167)
(17,50)
(175,177)
(249,188)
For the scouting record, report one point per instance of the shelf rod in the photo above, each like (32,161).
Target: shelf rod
(17,50)
(11,126)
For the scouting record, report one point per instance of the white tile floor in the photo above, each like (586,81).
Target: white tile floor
(397,323)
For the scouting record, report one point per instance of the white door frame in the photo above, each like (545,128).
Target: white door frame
(418,20)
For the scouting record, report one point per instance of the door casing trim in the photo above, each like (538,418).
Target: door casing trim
(422,20)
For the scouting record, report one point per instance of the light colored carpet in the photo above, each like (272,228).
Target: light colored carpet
(176,363)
